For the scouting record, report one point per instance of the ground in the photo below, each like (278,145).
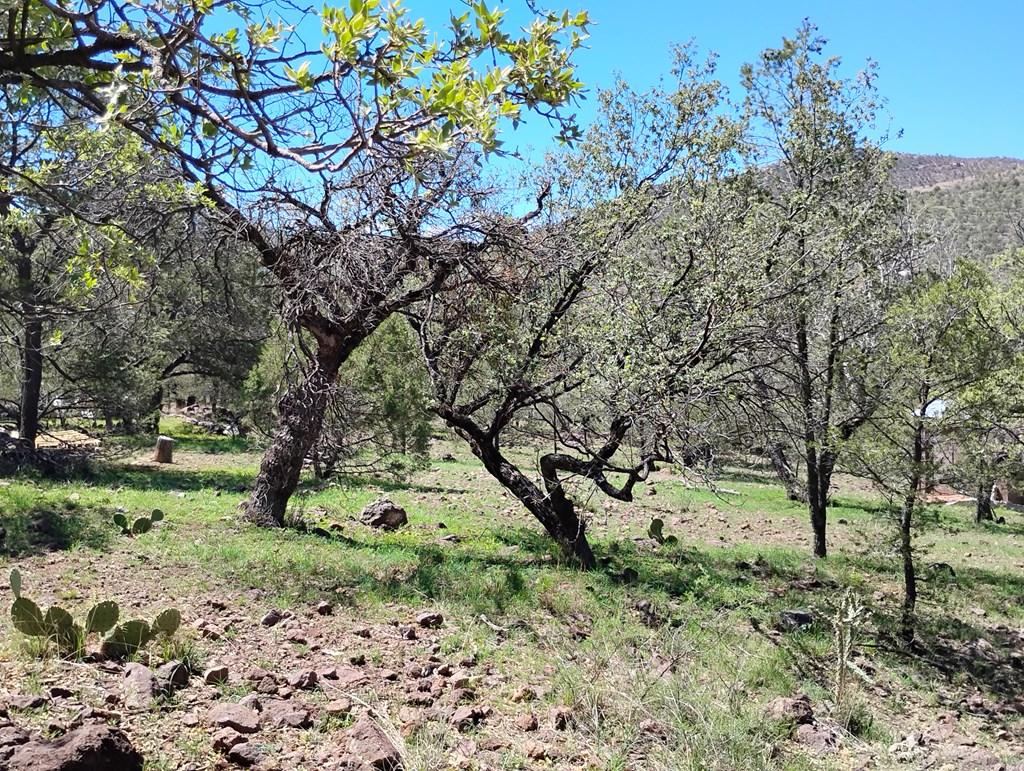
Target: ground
(670,656)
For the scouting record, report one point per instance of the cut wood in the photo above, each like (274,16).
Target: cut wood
(164,452)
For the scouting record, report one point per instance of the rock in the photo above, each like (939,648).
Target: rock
(535,751)
(278,713)
(407,632)
(526,693)
(251,701)
(383,514)
(268,686)
(234,716)
(561,718)
(10,737)
(324,608)
(90,748)
(797,709)
(272,618)
(466,717)
(215,675)
(349,678)
(303,680)
(245,754)
(368,741)
(430,620)
(26,702)
(527,722)
(226,738)
(139,687)
(817,737)
(339,707)
(58,692)
(172,675)
(364,633)
(794,619)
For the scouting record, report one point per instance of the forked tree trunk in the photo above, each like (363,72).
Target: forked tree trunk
(555,512)
(301,418)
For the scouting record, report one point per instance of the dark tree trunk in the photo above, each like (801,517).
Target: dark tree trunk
(785,472)
(301,418)
(554,510)
(983,508)
(907,624)
(31,377)
(156,401)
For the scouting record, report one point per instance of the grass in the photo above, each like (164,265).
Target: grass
(680,683)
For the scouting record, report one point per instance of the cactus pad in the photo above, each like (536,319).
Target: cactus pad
(27,618)
(102,618)
(16,582)
(121,521)
(167,622)
(142,525)
(157,515)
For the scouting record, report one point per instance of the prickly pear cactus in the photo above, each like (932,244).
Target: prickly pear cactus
(62,629)
(122,522)
(157,515)
(15,582)
(102,617)
(27,617)
(142,525)
(167,622)
(125,639)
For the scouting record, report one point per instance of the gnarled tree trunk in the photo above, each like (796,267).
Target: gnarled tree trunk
(301,418)
(785,472)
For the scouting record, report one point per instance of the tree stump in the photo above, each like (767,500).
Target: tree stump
(164,450)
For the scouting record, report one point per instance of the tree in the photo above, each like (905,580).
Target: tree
(939,345)
(834,255)
(344,149)
(591,334)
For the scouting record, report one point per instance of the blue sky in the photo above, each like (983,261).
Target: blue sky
(953,72)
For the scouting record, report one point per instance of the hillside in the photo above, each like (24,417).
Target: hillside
(973,205)
(927,172)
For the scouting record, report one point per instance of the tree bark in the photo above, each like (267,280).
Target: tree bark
(302,416)
(983,507)
(31,377)
(164,452)
(785,473)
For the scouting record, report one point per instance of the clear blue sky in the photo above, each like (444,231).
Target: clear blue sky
(953,72)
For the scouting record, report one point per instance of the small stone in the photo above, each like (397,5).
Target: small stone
(267,686)
(794,619)
(226,738)
(324,608)
(215,675)
(139,687)
(245,754)
(234,716)
(430,620)
(527,722)
(796,709)
(817,737)
(526,693)
(561,718)
(281,714)
(367,741)
(173,675)
(272,618)
(407,632)
(534,750)
(57,692)
(365,633)
(26,702)
(303,680)
(339,707)
(389,675)
(466,717)
(384,514)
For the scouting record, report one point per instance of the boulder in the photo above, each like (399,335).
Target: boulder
(796,709)
(384,514)
(90,748)
(235,716)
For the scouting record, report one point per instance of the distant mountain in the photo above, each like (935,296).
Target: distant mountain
(975,206)
(927,172)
